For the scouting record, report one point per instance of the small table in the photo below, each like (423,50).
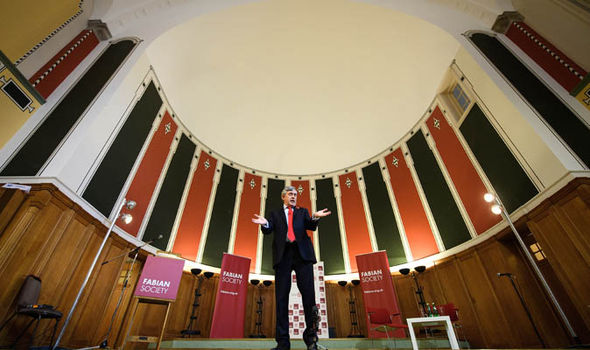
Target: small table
(429,321)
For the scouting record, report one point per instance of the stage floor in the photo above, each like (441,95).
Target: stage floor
(331,343)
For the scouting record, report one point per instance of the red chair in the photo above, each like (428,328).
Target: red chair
(453,312)
(381,320)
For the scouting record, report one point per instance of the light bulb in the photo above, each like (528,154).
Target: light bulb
(127,218)
(496,209)
(488,197)
(130,204)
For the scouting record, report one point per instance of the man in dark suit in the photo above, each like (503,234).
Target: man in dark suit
(292,250)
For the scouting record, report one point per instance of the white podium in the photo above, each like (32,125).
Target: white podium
(432,321)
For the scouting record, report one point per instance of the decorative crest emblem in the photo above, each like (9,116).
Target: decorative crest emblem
(587,99)
(167,128)
(437,123)
(348,182)
(252,184)
(395,162)
(300,190)
(207,164)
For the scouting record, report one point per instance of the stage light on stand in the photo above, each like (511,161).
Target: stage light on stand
(355,332)
(194,313)
(499,209)
(259,306)
(419,291)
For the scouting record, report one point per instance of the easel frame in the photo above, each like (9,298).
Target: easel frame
(143,338)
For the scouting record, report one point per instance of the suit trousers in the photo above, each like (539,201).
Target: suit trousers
(292,261)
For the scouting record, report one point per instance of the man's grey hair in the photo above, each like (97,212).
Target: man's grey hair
(287,189)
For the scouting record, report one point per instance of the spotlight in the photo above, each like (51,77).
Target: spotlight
(404,271)
(255,282)
(355,282)
(208,274)
(196,272)
(420,269)
(127,218)
(342,283)
(488,197)
(496,209)
(267,283)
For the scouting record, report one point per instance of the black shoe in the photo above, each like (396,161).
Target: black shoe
(312,346)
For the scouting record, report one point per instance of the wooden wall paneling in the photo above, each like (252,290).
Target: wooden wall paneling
(406,295)
(250,321)
(456,292)
(110,303)
(565,258)
(360,308)
(269,311)
(74,284)
(494,262)
(337,298)
(19,226)
(573,212)
(91,307)
(114,337)
(545,317)
(58,270)
(431,287)
(27,240)
(180,311)
(10,202)
(493,323)
(209,291)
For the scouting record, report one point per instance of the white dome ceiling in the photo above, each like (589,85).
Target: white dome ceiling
(301,87)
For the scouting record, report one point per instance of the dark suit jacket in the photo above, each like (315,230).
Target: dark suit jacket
(277,223)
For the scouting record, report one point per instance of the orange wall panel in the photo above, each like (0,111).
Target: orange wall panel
(414,219)
(190,229)
(146,178)
(246,241)
(466,179)
(355,222)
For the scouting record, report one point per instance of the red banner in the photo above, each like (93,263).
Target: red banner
(378,293)
(230,303)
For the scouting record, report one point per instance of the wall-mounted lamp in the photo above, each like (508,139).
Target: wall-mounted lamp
(498,208)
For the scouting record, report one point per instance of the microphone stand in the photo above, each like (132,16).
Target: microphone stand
(135,250)
(526,309)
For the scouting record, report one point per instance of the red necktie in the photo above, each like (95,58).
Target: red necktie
(290,233)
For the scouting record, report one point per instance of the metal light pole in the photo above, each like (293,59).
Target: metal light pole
(498,208)
(127,218)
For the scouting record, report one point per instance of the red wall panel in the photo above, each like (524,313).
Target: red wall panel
(355,223)
(553,61)
(304,198)
(188,235)
(246,231)
(48,78)
(144,182)
(466,179)
(412,212)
